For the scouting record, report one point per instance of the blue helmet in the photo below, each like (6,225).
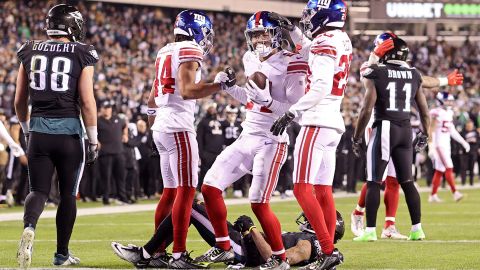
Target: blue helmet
(195,24)
(382,37)
(260,22)
(321,13)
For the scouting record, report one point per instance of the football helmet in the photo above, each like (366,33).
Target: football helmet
(399,52)
(382,37)
(65,20)
(197,25)
(321,13)
(444,99)
(260,22)
(305,226)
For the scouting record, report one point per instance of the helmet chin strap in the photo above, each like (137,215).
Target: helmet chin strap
(263,51)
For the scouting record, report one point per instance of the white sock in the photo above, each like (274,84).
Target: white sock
(370,229)
(416,227)
(176,255)
(360,209)
(145,253)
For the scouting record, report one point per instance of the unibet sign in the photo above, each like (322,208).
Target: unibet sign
(419,10)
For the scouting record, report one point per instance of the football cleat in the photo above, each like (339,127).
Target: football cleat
(64,260)
(416,235)
(185,262)
(366,237)
(325,262)
(434,199)
(457,196)
(356,224)
(25,248)
(275,262)
(215,255)
(160,261)
(391,232)
(131,254)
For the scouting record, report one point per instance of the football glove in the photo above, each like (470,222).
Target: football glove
(420,142)
(357,146)
(466,145)
(244,224)
(282,123)
(16,150)
(282,21)
(455,78)
(92,153)
(383,48)
(226,78)
(258,95)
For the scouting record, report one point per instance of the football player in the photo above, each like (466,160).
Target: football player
(382,44)
(256,150)
(57,75)
(329,52)
(392,87)
(443,129)
(249,245)
(171,105)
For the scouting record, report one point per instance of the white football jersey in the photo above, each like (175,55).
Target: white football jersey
(329,57)
(287,74)
(174,114)
(443,121)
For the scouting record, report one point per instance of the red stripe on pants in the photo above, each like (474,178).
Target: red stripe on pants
(274,171)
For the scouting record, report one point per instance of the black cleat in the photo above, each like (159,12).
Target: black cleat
(325,262)
(185,262)
(160,261)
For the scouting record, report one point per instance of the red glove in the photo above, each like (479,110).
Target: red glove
(383,48)
(455,78)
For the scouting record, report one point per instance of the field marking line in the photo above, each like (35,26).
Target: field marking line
(462,241)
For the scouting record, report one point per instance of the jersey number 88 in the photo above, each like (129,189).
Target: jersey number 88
(60,67)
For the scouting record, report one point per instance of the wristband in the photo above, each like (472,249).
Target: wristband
(25,127)
(152,111)
(250,230)
(443,81)
(92,134)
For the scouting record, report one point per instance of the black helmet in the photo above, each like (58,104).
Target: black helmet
(305,226)
(65,20)
(399,52)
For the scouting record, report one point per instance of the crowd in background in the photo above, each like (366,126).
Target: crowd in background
(127,38)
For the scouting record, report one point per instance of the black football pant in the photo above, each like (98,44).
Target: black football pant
(47,153)
(390,141)
(113,166)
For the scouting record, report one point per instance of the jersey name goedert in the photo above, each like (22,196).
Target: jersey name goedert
(53,70)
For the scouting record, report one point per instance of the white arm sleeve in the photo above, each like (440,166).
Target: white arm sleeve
(321,83)
(5,135)
(301,40)
(238,93)
(456,136)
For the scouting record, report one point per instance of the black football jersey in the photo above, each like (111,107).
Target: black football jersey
(53,69)
(396,88)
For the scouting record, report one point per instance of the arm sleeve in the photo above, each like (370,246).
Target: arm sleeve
(321,82)
(302,43)
(88,57)
(455,135)
(238,93)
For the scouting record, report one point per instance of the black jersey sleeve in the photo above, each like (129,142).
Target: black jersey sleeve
(371,72)
(23,51)
(88,56)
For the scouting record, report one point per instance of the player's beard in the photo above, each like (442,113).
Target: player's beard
(263,51)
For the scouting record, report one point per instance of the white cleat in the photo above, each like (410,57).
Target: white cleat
(237,194)
(24,253)
(391,232)
(434,199)
(356,224)
(457,196)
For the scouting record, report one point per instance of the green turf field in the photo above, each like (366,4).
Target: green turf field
(452,229)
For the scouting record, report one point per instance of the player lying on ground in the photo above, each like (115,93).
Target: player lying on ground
(249,244)
(282,74)
(382,44)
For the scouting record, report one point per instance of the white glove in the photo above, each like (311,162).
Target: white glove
(225,80)
(467,147)
(16,149)
(258,95)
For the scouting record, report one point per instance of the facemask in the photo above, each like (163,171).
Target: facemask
(262,51)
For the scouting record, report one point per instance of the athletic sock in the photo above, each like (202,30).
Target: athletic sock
(390,198)
(437,177)
(181,211)
(312,210)
(363,193)
(359,211)
(413,201)
(217,214)
(450,179)
(164,205)
(416,227)
(324,196)
(372,202)
(271,228)
(34,204)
